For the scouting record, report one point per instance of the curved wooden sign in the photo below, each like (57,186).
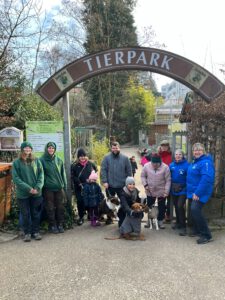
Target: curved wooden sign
(145,59)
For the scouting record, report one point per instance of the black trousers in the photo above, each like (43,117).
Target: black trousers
(179,202)
(80,203)
(53,203)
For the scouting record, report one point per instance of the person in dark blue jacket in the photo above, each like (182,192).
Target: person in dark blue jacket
(200,183)
(92,194)
(178,169)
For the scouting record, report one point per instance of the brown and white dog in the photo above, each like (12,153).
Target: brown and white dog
(109,207)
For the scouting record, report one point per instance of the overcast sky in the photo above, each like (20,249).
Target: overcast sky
(193,29)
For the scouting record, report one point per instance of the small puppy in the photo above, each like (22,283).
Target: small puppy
(152,214)
(109,207)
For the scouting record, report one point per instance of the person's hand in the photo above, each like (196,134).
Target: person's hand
(106,185)
(33,191)
(195,197)
(137,214)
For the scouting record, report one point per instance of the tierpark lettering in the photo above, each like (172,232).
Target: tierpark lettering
(130,58)
(154,60)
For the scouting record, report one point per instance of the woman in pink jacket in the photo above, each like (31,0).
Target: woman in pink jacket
(156,179)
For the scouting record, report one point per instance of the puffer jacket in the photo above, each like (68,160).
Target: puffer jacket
(158,181)
(178,172)
(200,178)
(92,194)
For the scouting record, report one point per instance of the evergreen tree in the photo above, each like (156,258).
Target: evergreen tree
(109,24)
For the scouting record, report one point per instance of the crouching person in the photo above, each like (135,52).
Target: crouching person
(132,221)
(28,176)
(54,186)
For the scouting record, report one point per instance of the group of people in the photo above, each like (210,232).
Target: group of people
(164,180)
(37,180)
(178,181)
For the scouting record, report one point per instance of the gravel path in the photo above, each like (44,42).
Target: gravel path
(80,264)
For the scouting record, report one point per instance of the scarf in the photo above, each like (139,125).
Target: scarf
(133,194)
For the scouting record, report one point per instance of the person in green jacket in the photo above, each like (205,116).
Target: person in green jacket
(28,177)
(54,186)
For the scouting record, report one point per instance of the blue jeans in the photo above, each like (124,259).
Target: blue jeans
(30,209)
(199,220)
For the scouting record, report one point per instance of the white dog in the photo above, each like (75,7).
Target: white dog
(152,216)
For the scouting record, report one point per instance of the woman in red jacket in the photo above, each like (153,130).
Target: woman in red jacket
(166,156)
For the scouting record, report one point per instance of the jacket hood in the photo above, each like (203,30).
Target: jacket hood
(46,154)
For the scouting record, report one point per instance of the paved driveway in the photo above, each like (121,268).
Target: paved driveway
(80,264)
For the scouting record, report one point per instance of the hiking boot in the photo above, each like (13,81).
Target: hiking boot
(193,233)
(53,229)
(204,240)
(167,219)
(176,226)
(183,232)
(80,222)
(37,236)
(60,229)
(27,238)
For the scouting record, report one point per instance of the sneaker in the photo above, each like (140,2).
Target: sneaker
(80,222)
(54,230)
(204,240)
(98,223)
(161,226)
(27,238)
(37,236)
(183,232)
(60,229)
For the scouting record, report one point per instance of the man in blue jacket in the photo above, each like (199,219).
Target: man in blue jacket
(200,183)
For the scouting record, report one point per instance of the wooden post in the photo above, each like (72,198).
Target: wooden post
(67,143)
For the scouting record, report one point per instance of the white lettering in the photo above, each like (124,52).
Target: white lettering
(165,62)
(119,55)
(88,61)
(154,58)
(98,62)
(107,59)
(130,55)
(142,58)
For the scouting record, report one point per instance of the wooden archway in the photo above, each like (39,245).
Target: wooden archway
(145,59)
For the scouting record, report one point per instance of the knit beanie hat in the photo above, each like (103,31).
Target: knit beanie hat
(51,144)
(93,176)
(164,142)
(129,180)
(26,144)
(81,152)
(155,158)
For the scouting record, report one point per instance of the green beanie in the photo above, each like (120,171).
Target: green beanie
(26,144)
(51,144)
